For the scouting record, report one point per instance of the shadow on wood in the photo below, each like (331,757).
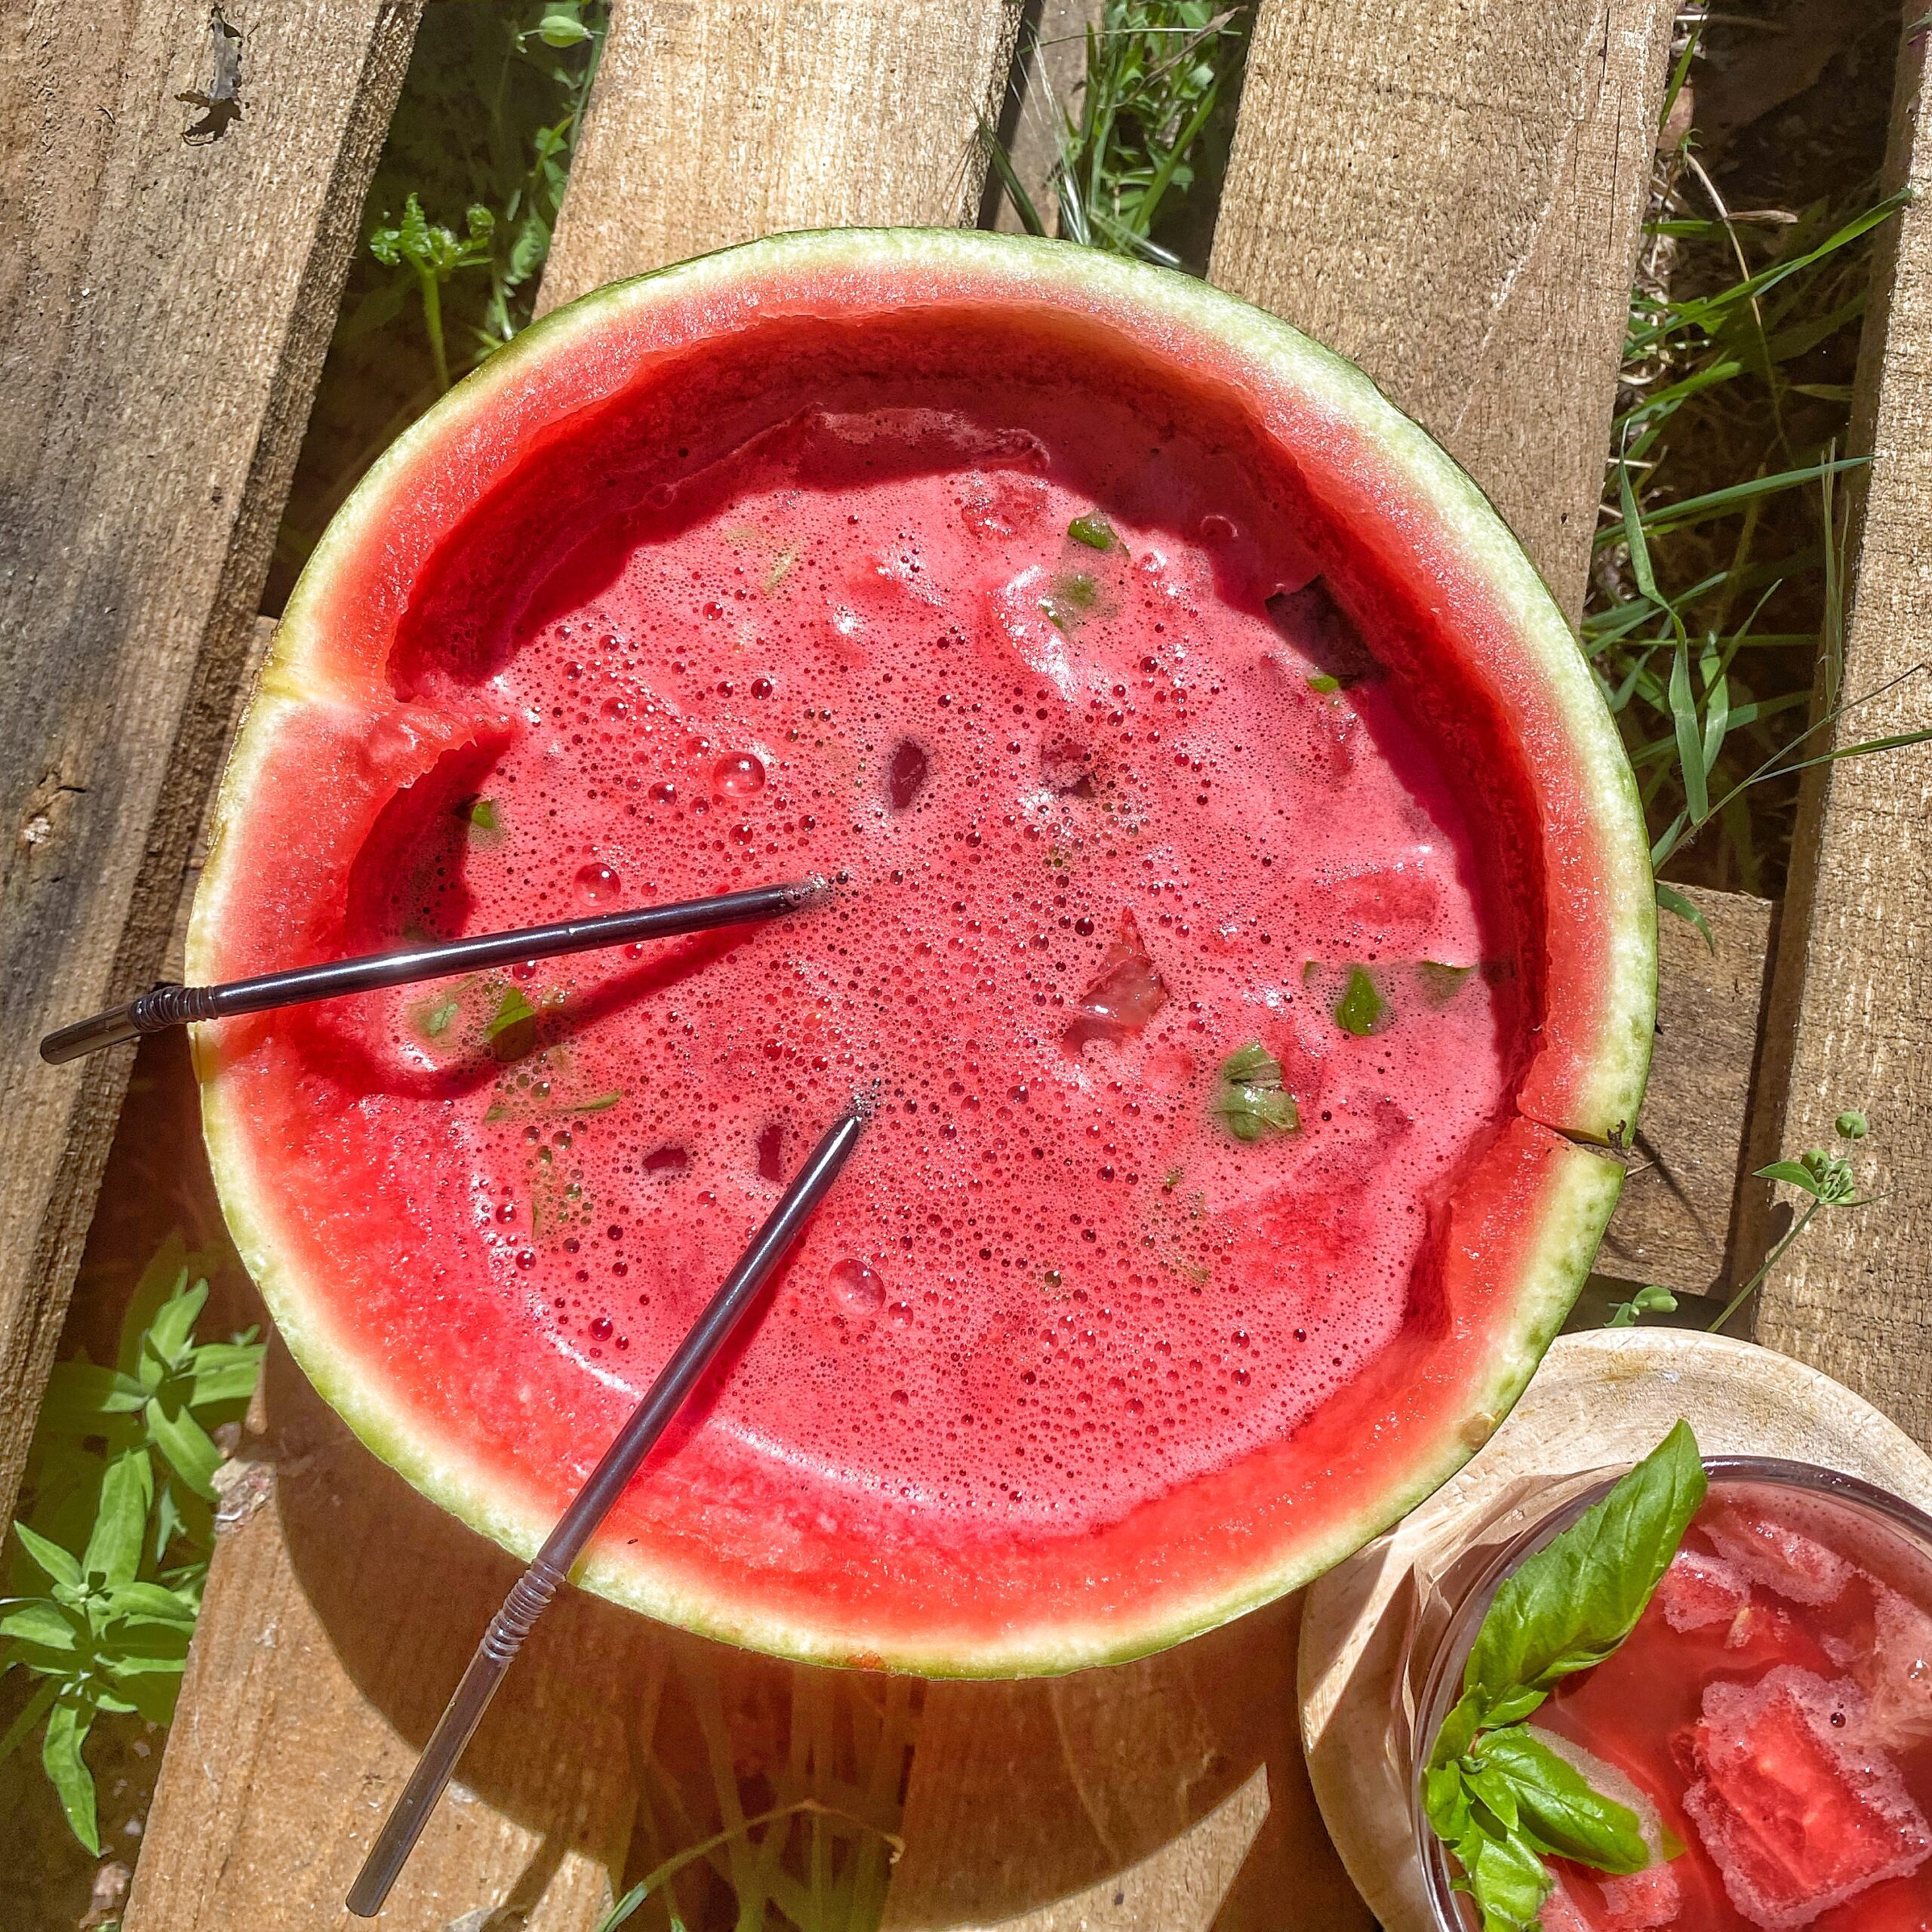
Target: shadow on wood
(1024,1794)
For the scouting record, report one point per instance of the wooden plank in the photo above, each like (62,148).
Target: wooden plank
(339,1617)
(1452,196)
(164,304)
(341,1610)
(716,122)
(1853,1000)
(1674,1224)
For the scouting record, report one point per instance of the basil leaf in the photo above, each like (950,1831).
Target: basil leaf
(1446,1799)
(1572,1603)
(1249,1099)
(511,1030)
(1361,1010)
(1093,531)
(1442,983)
(1555,1804)
(1507,1879)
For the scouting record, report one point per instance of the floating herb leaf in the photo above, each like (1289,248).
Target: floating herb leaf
(1361,1010)
(1249,1100)
(483,815)
(436,1019)
(1496,1794)
(1324,682)
(1072,598)
(1093,531)
(1442,983)
(511,1030)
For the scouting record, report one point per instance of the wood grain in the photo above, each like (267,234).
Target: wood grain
(1451,196)
(1026,1798)
(1852,1007)
(164,309)
(713,121)
(1674,1223)
(341,1609)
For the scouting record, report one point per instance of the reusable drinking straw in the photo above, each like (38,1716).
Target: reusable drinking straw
(531,1594)
(169,1004)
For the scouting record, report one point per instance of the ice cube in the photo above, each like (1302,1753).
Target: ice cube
(1642,1900)
(1586,1901)
(1561,1912)
(1797,1809)
(1699,1589)
(1771,1552)
(1125,993)
(1896,1674)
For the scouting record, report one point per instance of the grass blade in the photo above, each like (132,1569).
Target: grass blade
(1689,739)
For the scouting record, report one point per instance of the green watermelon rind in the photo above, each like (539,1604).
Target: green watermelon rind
(1600,1105)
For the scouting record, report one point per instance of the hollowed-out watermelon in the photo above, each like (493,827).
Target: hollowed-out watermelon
(1248,918)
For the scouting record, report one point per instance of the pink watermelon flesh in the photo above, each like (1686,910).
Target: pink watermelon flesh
(1060,683)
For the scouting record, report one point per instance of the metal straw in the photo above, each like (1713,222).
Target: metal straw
(531,1595)
(169,1004)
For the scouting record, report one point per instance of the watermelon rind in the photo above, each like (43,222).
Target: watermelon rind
(1592,1099)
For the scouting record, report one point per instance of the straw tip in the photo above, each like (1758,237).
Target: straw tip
(815,889)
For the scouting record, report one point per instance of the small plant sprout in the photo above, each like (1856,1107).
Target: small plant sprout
(1142,135)
(104,1592)
(432,254)
(1827,1179)
(1650,1300)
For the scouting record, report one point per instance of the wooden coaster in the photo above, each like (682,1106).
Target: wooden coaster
(1598,1400)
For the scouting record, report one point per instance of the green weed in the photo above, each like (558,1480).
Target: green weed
(113,1548)
(1828,1181)
(1716,603)
(1143,134)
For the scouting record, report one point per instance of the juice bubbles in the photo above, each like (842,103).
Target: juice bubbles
(1772,1712)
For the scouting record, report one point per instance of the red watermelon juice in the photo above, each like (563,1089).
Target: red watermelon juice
(1113,790)
(1771,1714)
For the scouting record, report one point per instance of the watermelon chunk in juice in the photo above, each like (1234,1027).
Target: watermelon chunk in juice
(1798,1818)
(1780,1730)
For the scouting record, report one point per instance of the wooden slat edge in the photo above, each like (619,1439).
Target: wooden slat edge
(712,125)
(1674,1224)
(1851,1009)
(1453,197)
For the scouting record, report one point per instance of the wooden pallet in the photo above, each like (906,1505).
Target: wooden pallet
(1451,195)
